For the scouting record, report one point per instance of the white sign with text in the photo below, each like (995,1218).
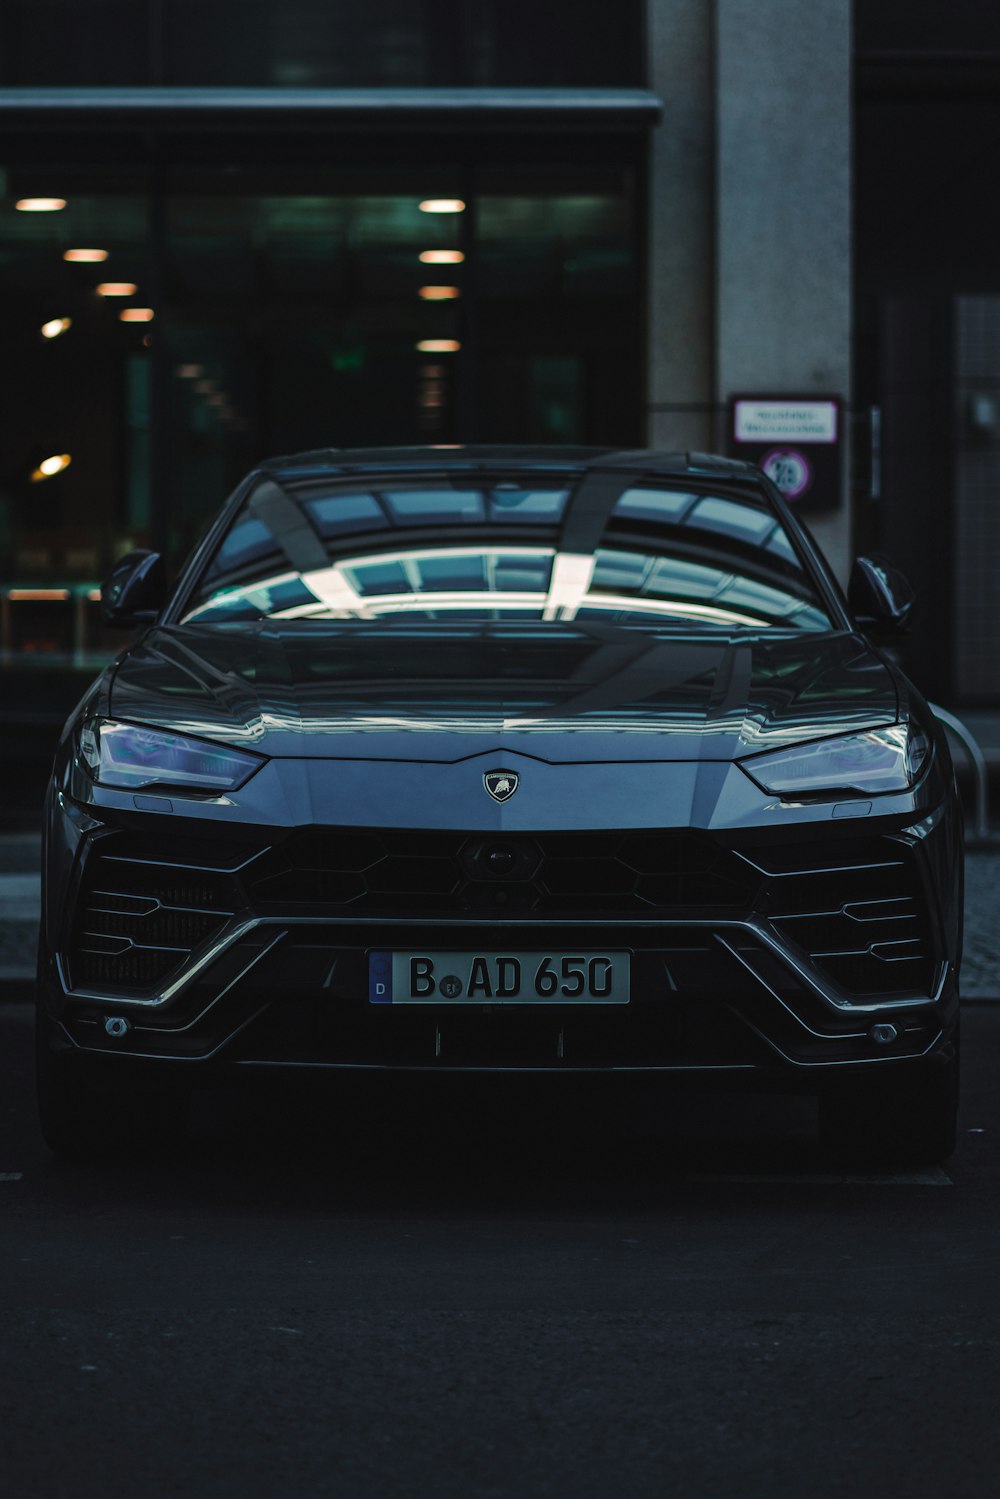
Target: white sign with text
(785,421)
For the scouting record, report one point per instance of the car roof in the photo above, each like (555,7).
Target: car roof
(468,458)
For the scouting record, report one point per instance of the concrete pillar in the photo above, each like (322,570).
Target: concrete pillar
(681,204)
(783,207)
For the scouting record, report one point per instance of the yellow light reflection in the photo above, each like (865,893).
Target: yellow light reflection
(439,346)
(439,293)
(39,205)
(136,315)
(51,466)
(442,257)
(55,326)
(86,257)
(442,205)
(117,289)
(19,595)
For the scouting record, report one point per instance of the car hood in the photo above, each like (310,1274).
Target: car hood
(558,692)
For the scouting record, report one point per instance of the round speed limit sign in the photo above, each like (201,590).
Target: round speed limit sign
(789,470)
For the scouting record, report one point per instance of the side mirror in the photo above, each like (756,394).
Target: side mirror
(135,590)
(880,597)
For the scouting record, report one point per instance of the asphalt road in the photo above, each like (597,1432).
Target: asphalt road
(426,1301)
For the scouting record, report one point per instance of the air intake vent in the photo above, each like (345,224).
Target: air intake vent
(857,910)
(140,917)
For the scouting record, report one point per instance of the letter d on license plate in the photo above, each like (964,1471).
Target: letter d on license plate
(499,978)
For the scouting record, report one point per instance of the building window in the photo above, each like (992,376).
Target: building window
(164,333)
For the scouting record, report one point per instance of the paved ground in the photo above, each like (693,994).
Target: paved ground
(431,1303)
(981,958)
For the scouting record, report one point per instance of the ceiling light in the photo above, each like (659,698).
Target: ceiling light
(116,289)
(442,257)
(86,256)
(55,326)
(51,466)
(39,205)
(136,315)
(439,293)
(439,346)
(442,205)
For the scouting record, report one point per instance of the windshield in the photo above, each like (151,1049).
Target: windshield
(542,546)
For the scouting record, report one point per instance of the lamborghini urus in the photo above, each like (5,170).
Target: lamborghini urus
(542,761)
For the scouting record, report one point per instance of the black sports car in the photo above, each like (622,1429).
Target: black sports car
(543,760)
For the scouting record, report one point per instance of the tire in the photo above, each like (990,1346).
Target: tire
(905,1121)
(84,1116)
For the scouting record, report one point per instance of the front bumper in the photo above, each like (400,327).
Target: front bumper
(739,991)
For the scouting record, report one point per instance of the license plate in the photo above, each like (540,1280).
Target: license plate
(501,978)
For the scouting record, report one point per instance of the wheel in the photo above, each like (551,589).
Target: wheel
(86,1116)
(910,1120)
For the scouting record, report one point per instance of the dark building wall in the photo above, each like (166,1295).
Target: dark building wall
(320,43)
(927,143)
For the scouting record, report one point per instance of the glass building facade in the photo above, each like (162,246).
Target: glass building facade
(235,228)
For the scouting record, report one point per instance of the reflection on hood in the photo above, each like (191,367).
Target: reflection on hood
(559,691)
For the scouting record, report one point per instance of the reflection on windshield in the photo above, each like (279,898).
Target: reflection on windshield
(472,551)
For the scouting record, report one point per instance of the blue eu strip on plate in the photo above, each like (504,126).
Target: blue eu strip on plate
(380,978)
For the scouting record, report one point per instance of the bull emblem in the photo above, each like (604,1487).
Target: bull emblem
(501,784)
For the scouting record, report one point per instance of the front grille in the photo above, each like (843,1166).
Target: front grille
(855,909)
(401,874)
(140,915)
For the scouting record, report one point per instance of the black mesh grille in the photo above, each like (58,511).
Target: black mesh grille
(402,874)
(138,917)
(857,909)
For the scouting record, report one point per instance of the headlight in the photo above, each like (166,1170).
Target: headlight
(129,757)
(874,761)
